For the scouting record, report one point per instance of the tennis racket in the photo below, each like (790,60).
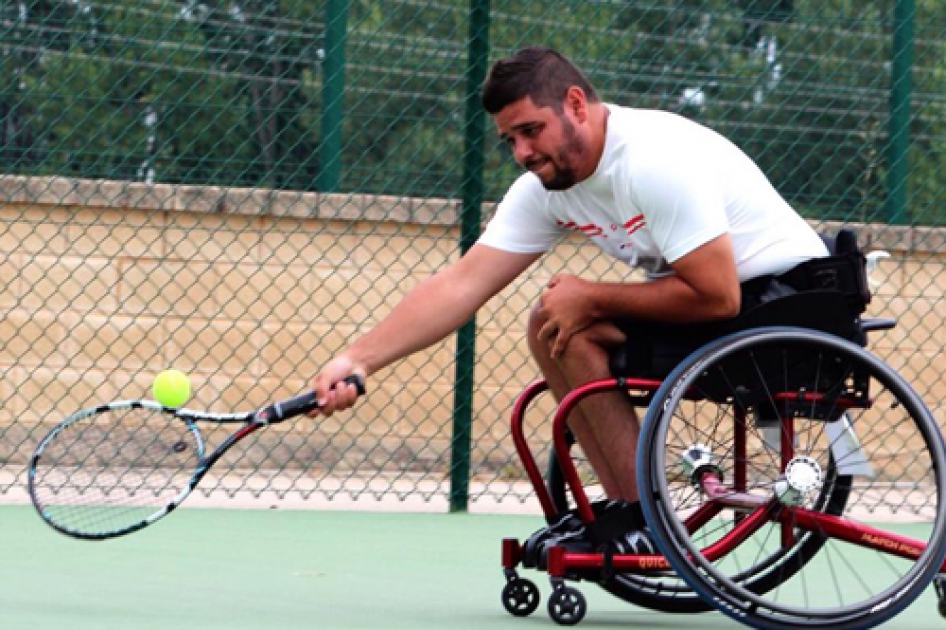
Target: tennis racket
(114,469)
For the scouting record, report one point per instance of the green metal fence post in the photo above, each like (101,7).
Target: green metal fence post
(901,87)
(333,93)
(478,52)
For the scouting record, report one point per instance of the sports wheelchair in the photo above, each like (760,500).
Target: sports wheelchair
(789,477)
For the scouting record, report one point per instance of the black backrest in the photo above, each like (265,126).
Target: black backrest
(845,270)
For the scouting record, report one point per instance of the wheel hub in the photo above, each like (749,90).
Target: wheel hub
(697,459)
(802,476)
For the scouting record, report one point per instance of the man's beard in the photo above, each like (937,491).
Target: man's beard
(563,173)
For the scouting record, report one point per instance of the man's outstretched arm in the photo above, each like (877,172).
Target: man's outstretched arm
(433,309)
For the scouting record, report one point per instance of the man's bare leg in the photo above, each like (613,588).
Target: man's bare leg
(605,425)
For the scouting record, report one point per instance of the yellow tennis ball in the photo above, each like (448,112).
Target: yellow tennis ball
(171,388)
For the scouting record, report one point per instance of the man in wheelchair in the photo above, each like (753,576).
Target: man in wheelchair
(721,248)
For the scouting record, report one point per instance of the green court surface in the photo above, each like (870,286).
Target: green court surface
(281,569)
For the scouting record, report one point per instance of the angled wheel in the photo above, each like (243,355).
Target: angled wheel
(567,606)
(520,597)
(795,481)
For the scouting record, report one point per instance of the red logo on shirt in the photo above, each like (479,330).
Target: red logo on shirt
(635,223)
(589,229)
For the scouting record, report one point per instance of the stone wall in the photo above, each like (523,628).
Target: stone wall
(102,284)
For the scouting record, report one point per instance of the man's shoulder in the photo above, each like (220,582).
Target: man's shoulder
(624,116)
(525,194)
(527,185)
(641,137)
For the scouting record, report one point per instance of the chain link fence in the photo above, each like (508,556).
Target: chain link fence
(238,189)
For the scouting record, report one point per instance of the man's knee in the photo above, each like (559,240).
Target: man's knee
(588,351)
(536,321)
(602,333)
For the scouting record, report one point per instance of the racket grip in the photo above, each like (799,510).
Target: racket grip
(303,403)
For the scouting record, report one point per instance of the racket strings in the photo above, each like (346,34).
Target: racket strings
(115,469)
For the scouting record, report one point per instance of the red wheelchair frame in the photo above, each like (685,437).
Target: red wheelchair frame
(567,606)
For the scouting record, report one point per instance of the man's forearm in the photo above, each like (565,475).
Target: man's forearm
(428,313)
(704,287)
(665,299)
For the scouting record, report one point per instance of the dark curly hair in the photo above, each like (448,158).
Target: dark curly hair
(538,72)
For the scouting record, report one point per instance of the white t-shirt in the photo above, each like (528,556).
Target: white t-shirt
(665,185)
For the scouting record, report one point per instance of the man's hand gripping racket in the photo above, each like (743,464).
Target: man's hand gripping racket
(114,469)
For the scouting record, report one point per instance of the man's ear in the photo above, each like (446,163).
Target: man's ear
(576,103)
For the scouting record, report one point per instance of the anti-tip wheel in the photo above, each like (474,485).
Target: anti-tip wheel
(520,597)
(939,584)
(567,606)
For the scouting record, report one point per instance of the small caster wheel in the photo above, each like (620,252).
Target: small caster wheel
(520,597)
(567,606)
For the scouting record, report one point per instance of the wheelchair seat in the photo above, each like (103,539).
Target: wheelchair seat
(825,294)
(823,310)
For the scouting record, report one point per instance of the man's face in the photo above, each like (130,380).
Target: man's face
(543,141)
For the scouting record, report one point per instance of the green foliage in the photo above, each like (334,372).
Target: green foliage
(229,92)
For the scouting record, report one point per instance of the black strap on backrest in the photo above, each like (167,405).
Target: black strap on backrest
(845,271)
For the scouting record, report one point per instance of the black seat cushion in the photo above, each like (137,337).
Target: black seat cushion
(654,350)
(819,310)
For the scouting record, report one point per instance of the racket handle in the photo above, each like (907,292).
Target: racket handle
(303,403)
